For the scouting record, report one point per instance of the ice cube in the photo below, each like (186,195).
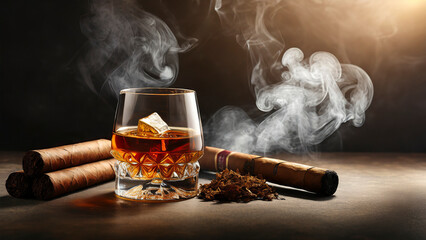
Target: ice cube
(152,124)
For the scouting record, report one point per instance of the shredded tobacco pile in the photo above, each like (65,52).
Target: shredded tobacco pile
(232,186)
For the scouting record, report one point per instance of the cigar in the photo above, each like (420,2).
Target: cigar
(313,179)
(19,185)
(36,162)
(54,184)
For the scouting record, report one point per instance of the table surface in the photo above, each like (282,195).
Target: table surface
(380,196)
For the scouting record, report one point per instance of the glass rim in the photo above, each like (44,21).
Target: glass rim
(156,91)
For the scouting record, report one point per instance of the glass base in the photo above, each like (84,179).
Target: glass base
(156,189)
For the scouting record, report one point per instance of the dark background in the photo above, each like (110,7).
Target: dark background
(43,103)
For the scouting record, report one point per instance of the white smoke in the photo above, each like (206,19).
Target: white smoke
(313,99)
(307,99)
(231,128)
(128,47)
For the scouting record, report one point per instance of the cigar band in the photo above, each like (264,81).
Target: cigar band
(221,160)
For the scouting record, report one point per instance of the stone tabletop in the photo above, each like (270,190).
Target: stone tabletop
(380,196)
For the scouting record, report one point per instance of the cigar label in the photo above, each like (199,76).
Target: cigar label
(221,160)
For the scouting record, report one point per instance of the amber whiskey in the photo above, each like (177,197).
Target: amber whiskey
(164,156)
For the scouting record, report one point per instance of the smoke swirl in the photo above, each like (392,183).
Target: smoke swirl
(306,99)
(128,47)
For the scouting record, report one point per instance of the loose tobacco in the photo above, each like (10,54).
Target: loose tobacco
(230,186)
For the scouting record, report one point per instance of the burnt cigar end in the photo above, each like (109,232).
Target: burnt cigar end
(329,183)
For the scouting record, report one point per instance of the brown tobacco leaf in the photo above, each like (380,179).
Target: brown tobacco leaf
(230,186)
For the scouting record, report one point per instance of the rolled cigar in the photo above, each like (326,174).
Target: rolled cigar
(54,184)
(19,185)
(36,162)
(314,179)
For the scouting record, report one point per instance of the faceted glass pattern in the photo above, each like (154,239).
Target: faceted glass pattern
(166,166)
(156,176)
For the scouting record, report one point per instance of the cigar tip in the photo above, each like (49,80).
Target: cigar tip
(329,183)
(43,188)
(32,163)
(18,185)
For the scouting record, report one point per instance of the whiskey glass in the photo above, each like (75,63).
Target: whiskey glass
(154,165)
